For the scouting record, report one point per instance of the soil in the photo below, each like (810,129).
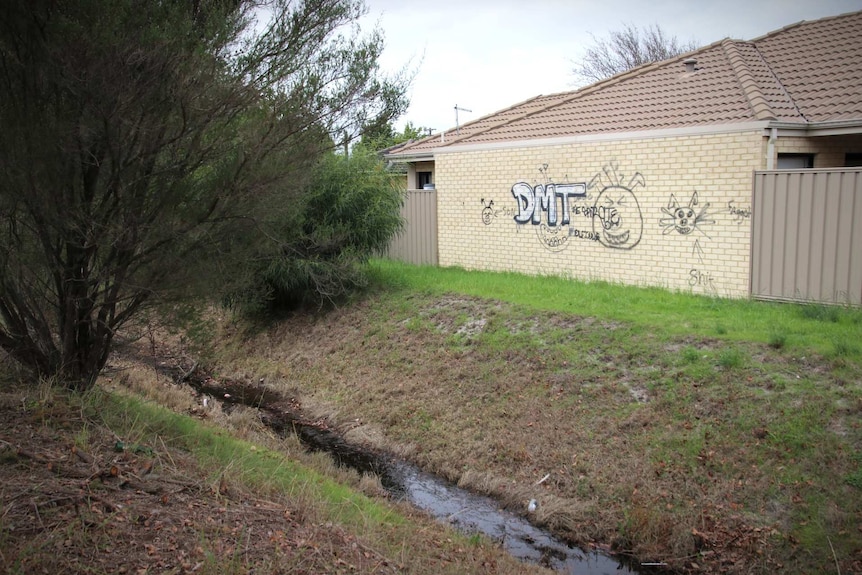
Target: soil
(111,507)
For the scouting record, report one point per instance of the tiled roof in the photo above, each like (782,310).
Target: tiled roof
(803,73)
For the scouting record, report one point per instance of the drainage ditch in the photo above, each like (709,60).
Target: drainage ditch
(468,512)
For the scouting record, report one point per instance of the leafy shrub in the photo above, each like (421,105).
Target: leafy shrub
(349,210)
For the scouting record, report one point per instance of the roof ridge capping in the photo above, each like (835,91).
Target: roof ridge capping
(802,23)
(563,97)
(441,136)
(750,87)
(577,93)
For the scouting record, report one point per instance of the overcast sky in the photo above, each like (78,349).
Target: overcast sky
(486,55)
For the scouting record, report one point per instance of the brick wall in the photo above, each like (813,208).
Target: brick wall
(624,230)
(828,152)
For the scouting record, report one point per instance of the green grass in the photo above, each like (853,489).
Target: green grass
(216,449)
(753,407)
(825,329)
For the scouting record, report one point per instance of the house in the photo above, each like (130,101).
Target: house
(648,177)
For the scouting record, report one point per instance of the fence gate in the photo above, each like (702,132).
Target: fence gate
(417,242)
(806,239)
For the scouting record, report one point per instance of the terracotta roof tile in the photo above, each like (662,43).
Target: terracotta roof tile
(805,72)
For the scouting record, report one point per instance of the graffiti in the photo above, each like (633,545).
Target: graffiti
(616,215)
(490,213)
(533,200)
(697,251)
(740,214)
(487,212)
(548,207)
(586,211)
(702,279)
(583,234)
(555,238)
(554,209)
(685,219)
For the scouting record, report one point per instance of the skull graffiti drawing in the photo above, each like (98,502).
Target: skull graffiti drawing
(684,219)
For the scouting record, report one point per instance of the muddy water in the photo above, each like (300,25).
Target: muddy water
(465,511)
(471,513)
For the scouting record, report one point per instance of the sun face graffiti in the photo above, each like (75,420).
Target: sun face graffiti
(618,220)
(684,219)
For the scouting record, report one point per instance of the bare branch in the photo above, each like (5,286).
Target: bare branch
(628,48)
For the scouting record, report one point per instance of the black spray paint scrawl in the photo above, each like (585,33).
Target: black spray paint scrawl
(618,221)
(487,212)
(685,219)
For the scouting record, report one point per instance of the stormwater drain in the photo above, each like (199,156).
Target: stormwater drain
(463,510)
(471,513)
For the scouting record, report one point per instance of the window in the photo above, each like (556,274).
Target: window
(795,161)
(423,179)
(853,159)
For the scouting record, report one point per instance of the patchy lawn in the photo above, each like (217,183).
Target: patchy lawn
(700,451)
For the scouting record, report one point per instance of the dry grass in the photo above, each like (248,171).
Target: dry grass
(684,450)
(189,497)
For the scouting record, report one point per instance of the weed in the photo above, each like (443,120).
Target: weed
(777,383)
(842,348)
(777,339)
(82,438)
(730,358)
(691,354)
(854,478)
(821,312)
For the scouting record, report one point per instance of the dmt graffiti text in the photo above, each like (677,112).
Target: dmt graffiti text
(533,200)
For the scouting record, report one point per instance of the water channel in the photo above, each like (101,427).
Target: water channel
(468,512)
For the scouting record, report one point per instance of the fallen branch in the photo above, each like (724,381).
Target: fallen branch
(58,469)
(82,455)
(834,556)
(20,452)
(108,505)
(138,485)
(185,377)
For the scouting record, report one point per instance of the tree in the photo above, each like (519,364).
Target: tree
(350,211)
(626,49)
(146,143)
(382,136)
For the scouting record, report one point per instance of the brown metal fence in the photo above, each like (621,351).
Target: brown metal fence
(806,240)
(417,242)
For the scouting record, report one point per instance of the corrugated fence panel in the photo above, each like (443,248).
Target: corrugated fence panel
(806,241)
(417,242)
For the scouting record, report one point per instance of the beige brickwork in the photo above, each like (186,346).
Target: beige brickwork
(828,152)
(625,228)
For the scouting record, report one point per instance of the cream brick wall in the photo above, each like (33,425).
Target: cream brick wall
(828,152)
(634,186)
